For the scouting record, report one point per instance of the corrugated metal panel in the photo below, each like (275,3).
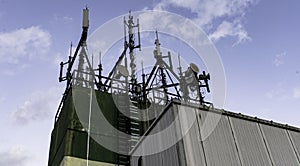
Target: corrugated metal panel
(250,143)
(134,160)
(155,159)
(170,157)
(219,147)
(296,141)
(235,141)
(193,147)
(192,140)
(162,155)
(279,146)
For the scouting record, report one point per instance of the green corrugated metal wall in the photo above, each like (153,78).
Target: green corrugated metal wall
(68,138)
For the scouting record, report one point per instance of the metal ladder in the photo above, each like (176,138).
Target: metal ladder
(129,125)
(135,124)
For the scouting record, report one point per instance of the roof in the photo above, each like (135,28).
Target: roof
(236,139)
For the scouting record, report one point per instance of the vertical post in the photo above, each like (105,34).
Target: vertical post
(144,85)
(170,60)
(125,40)
(139,35)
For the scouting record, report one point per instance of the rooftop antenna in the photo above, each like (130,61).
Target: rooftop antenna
(71,47)
(157,52)
(128,27)
(85,25)
(100,66)
(85,19)
(82,43)
(68,75)
(70,62)
(143,83)
(142,63)
(100,69)
(179,64)
(131,43)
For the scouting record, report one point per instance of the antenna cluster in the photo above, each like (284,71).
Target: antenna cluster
(160,85)
(129,25)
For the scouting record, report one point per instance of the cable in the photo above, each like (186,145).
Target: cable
(89,122)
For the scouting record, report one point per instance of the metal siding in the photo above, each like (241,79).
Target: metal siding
(295,137)
(250,143)
(155,160)
(134,161)
(232,143)
(219,147)
(164,156)
(279,146)
(170,157)
(192,140)
(193,147)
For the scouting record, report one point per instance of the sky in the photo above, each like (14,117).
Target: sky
(257,40)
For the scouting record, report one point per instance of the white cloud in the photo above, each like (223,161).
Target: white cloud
(279,59)
(23,43)
(191,4)
(296,93)
(38,106)
(14,156)
(163,21)
(208,11)
(230,29)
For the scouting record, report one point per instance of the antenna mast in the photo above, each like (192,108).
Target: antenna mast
(131,43)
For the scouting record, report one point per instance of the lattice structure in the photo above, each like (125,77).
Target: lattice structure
(122,92)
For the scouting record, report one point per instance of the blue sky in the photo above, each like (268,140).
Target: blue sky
(258,42)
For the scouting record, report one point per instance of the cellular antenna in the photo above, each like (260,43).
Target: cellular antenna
(157,52)
(71,47)
(129,24)
(85,19)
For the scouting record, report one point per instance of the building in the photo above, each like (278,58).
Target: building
(236,140)
(104,120)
